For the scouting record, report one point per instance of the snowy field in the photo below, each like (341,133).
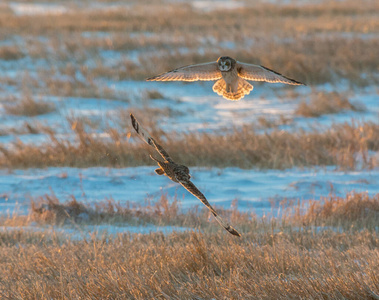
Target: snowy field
(194,108)
(257,191)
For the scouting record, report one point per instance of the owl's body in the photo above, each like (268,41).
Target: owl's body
(177,173)
(230,74)
(172,170)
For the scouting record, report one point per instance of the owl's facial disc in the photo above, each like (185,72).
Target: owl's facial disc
(224,65)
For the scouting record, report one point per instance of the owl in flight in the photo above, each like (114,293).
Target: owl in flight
(231,76)
(177,173)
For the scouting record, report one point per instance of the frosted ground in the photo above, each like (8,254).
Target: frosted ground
(194,107)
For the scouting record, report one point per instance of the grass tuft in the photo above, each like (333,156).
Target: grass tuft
(326,103)
(154,94)
(10,53)
(28,106)
(48,210)
(356,210)
(26,128)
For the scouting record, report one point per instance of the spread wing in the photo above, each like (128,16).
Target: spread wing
(189,186)
(148,139)
(206,71)
(161,151)
(260,73)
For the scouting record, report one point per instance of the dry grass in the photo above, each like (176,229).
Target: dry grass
(70,81)
(265,122)
(151,116)
(10,53)
(28,106)
(48,210)
(327,16)
(356,210)
(348,146)
(154,94)
(195,266)
(272,260)
(326,103)
(26,128)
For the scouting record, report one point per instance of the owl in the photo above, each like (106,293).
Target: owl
(177,173)
(231,76)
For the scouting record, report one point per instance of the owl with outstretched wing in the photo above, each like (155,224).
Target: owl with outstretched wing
(177,173)
(232,76)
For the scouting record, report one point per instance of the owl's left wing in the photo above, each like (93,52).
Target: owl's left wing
(206,71)
(148,139)
(189,186)
(260,73)
(161,151)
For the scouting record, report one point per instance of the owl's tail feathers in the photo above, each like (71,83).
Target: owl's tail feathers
(244,88)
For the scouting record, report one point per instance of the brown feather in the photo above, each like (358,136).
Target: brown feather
(177,173)
(244,88)
(189,186)
(260,73)
(204,72)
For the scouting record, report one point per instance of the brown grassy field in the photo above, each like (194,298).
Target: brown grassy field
(297,256)
(345,145)
(300,41)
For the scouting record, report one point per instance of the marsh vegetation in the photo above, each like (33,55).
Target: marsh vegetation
(72,72)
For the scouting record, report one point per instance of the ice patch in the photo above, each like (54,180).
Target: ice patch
(87,232)
(22,9)
(208,6)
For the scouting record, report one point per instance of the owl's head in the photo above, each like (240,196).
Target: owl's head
(225,63)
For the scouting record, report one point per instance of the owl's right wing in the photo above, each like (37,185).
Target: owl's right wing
(148,139)
(204,72)
(189,186)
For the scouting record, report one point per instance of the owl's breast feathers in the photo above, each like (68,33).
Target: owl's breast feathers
(230,76)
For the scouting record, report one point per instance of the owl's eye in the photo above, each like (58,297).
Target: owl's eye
(227,63)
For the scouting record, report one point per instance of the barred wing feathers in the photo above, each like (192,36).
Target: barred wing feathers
(148,139)
(204,72)
(260,73)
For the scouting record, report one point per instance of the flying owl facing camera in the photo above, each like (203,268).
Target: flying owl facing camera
(231,76)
